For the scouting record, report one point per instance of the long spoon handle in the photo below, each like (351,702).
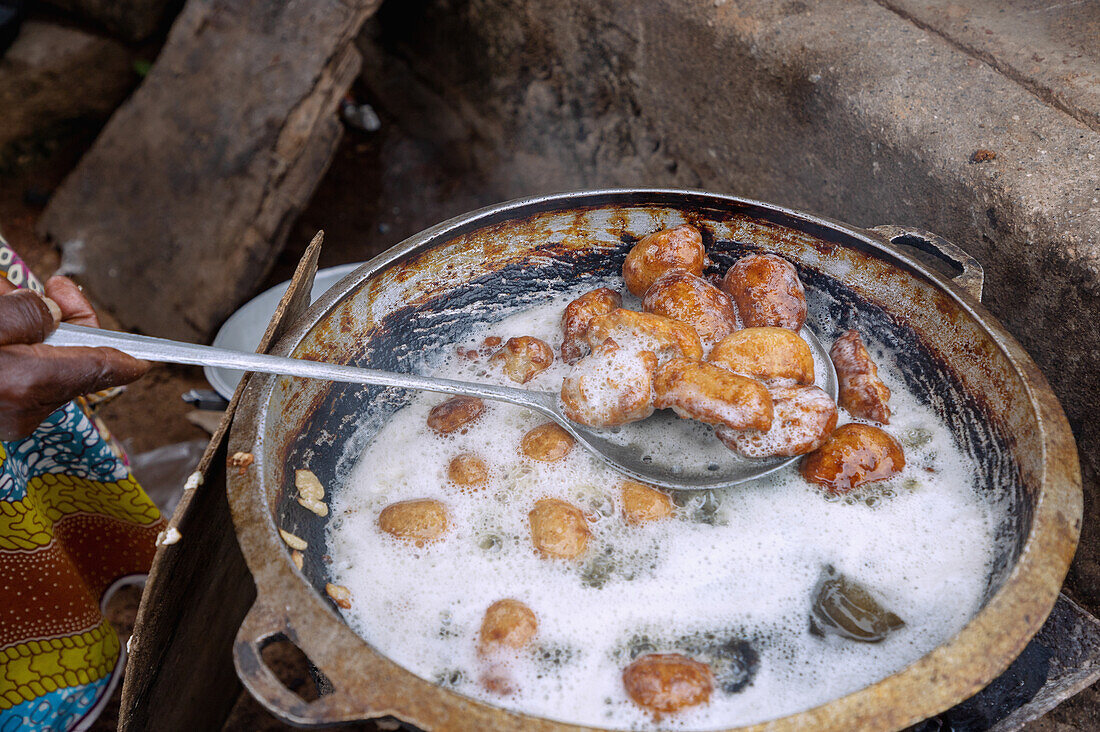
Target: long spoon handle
(167,351)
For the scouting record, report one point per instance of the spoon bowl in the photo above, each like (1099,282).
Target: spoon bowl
(663,450)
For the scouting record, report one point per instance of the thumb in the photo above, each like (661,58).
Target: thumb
(26,318)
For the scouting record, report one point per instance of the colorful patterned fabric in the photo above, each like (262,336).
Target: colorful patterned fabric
(74,526)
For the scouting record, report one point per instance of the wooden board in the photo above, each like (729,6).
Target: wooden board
(180,671)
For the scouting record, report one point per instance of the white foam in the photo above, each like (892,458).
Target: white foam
(925,549)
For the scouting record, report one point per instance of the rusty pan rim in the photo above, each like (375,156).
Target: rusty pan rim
(287,604)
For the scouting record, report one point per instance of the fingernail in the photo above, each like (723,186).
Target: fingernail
(55,310)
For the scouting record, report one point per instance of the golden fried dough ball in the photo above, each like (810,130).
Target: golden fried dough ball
(547,442)
(419,521)
(610,386)
(680,247)
(642,503)
(862,392)
(558,529)
(803,417)
(689,299)
(711,394)
(455,413)
(667,682)
(767,292)
(664,337)
(508,624)
(523,358)
(766,354)
(853,455)
(468,471)
(578,316)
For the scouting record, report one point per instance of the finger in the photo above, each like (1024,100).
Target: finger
(90,370)
(24,318)
(40,377)
(75,308)
(37,380)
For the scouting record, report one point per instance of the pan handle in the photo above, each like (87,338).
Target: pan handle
(972,276)
(260,627)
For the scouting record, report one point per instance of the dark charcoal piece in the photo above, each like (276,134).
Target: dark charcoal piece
(733,660)
(1008,692)
(846,608)
(11,17)
(734,664)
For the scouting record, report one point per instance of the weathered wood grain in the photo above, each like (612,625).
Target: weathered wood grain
(182,204)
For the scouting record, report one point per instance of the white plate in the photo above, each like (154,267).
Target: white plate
(244,328)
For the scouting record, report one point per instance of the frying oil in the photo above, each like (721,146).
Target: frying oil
(740,564)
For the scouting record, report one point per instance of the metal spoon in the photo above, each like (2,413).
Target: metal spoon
(663,450)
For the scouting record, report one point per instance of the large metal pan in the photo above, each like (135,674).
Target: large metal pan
(912,290)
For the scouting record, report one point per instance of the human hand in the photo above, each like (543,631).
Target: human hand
(36,379)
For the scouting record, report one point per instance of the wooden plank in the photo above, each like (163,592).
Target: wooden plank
(180,671)
(188,194)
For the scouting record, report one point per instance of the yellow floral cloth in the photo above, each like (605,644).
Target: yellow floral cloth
(74,526)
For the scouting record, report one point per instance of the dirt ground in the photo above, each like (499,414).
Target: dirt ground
(381,188)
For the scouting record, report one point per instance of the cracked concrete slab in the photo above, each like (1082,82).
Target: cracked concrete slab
(1052,48)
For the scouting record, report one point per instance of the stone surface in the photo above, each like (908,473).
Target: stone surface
(133,20)
(54,78)
(180,207)
(1051,48)
(848,109)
